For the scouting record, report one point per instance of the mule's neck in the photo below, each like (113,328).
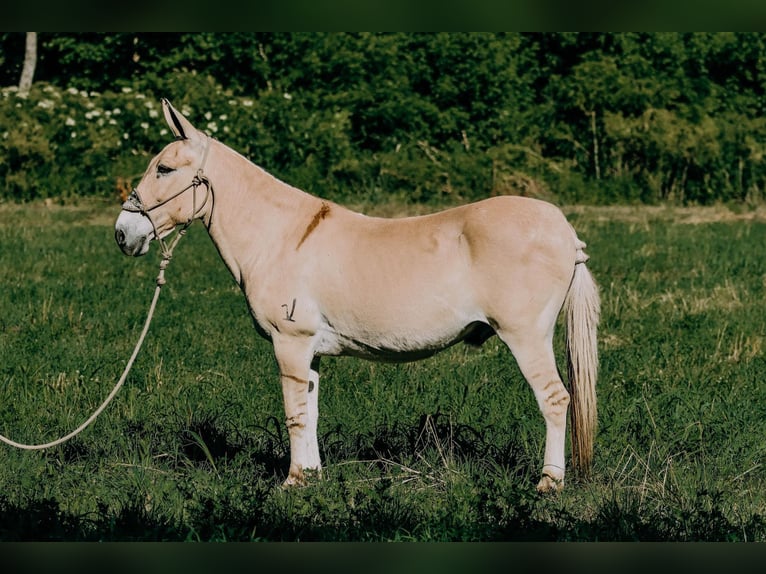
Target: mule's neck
(251,212)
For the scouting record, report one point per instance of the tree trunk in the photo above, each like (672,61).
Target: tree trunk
(596,162)
(30,61)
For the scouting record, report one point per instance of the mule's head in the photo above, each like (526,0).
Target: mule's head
(167,195)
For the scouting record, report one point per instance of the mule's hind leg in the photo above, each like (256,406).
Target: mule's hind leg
(535,358)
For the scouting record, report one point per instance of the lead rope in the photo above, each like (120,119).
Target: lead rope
(166,256)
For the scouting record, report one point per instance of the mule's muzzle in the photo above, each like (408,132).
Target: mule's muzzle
(133,248)
(132,234)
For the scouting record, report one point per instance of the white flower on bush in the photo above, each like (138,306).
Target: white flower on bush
(212,126)
(69,121)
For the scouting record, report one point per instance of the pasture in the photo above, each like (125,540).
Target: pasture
(194,447)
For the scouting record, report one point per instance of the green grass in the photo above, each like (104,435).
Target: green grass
(194,446)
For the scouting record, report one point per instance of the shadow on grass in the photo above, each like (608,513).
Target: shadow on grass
(378,515)
(490,497)
(400,442)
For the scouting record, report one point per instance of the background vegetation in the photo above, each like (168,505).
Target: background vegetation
(580,117)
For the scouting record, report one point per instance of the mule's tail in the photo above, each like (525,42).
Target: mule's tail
(582,308)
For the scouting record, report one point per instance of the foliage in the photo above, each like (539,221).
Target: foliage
(579,117)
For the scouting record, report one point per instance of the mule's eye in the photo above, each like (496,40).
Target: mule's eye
(164,170)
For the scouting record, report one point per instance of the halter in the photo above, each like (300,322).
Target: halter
(135,204)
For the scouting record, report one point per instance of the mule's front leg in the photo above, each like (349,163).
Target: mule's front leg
(300,388)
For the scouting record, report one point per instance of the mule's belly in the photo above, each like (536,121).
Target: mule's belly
(398,346)
(345,346)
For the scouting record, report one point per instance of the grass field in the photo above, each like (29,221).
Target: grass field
(194,446)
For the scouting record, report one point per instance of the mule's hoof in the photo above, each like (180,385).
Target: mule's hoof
(550,484)
(293,482)
(302,478)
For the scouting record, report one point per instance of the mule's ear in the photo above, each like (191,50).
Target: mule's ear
(179,125)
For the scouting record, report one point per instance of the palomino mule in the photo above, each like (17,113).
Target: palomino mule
(322,280)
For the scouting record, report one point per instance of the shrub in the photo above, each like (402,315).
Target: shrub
(65,143)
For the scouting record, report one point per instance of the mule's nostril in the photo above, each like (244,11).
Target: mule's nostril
(119,236)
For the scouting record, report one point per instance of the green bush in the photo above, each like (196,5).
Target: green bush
(66,143)
(427,118)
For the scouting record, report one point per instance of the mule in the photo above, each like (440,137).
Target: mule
(322,280)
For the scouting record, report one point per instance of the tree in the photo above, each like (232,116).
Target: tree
(30,61)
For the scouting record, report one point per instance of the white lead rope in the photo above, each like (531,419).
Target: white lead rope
(160,282)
